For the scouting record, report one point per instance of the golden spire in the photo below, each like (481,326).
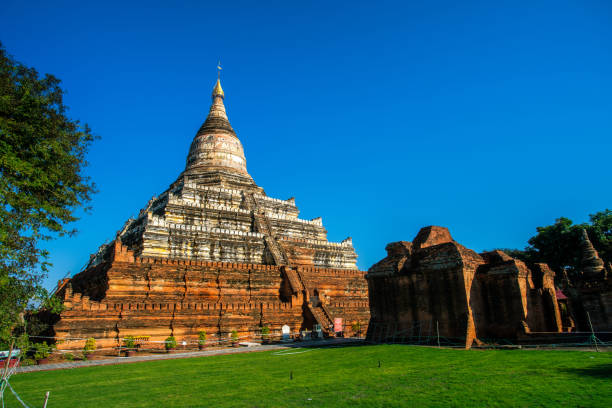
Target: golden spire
(217,90)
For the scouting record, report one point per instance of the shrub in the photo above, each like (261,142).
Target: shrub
(170,343)
(27,362)
(356,327)
(265,334)
(234,336)
(90,345)
(42,350)
(202,337)
(69,356)
(129,342)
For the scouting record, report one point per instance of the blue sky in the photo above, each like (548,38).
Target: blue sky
(489,118)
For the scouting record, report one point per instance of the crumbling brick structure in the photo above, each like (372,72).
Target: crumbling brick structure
(590,294)
(436,285)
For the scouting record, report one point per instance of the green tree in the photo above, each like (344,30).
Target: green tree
(600,233)
(558,244)
(42,185)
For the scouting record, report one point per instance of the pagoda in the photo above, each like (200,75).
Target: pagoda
(214,253)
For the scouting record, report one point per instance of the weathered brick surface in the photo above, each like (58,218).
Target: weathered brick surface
(469,296)
(159,298)
(596,300)
(432,235)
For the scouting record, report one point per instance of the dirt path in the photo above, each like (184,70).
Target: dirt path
(189,354)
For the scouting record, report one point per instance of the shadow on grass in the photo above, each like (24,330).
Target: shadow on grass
(599,371)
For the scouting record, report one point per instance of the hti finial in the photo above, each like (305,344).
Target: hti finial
(217,90)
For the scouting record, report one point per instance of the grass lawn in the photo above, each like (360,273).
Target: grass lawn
(350,376)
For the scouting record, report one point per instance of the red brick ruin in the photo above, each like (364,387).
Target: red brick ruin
(436,285)
(589,296)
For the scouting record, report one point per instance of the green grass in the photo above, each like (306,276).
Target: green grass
(408,376)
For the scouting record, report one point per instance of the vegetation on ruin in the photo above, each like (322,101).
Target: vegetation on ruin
(558,244)
(351,376)
(42,185)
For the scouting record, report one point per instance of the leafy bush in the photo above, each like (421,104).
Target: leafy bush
(69,356)
(90,345)
(356,327)
(265,334)
(27,362)
(42,350)
(202,337)
(170,343)
(234,336)
(129,342)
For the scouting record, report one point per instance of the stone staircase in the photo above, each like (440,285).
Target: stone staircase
(263,226)
(322,317)
(293,279)
(327,313)
(321,314)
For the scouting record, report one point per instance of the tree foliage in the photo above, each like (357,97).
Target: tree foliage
(42,157)
(558,244)
(600,233)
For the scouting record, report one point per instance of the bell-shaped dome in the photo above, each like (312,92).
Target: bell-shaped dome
(216,146)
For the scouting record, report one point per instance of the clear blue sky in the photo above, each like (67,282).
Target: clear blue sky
(489,118)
